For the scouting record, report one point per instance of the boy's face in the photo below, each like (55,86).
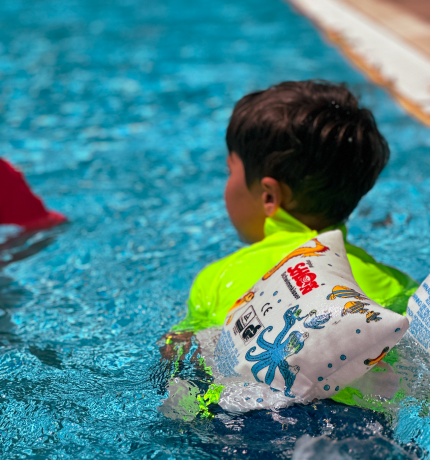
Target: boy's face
(244,205)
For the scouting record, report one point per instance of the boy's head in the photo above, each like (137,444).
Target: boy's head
(304,146)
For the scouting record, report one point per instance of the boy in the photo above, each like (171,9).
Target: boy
(301,156)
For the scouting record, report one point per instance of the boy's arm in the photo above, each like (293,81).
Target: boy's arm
(203,300)
(175,344)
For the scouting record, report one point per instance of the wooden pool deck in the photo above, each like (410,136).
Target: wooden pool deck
(409,19)
(387,39)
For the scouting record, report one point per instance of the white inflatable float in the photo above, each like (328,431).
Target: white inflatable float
(303,332)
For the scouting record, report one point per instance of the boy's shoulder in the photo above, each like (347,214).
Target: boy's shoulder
(248,264)
(221,283)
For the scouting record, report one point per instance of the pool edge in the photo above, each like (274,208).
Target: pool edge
(390,64)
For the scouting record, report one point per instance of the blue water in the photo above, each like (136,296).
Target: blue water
(116,110)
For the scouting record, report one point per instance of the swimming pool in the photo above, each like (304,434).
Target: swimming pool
(116,111)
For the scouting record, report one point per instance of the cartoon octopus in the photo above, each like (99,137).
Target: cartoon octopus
(276,353)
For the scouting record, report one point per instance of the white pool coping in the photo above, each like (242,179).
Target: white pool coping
(385,57)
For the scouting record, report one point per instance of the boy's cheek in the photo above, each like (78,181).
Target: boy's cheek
(247,219)
(237,206)
(244,207)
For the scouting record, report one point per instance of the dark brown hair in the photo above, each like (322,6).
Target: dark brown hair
(314,137)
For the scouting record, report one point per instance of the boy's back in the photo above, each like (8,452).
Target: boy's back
(222,283)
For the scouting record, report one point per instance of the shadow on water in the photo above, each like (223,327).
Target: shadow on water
(11,295)
(12,249)
(47,356)
(323,430)
(26,244)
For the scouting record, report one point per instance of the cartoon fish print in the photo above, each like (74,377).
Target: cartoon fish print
(316,251)
(354,307)
(372,316)
(244,299)
(371,362)
(345,292)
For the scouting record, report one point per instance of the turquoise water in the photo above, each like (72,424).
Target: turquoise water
(116,110)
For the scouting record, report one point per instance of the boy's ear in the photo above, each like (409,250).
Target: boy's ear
(272,195)
(275,195)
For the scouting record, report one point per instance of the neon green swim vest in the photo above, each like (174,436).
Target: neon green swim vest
(220,284)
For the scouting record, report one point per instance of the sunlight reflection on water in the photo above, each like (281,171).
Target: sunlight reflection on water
(116,111)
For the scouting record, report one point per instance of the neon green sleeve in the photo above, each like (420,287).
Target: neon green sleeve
(202,300)
(386,285)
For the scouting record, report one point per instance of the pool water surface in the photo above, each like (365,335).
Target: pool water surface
(116,110)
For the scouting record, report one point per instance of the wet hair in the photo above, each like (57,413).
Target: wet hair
(314,137)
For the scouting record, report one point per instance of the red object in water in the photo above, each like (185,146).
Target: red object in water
(19,205)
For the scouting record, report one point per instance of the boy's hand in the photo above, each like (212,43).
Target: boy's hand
(172,341)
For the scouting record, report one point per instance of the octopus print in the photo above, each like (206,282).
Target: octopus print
(276,353)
